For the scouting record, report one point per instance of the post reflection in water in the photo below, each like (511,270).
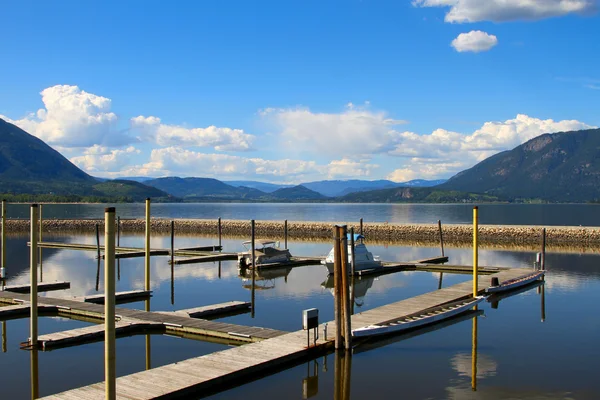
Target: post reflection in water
(148,350)
(542,292)
(4,336)
(310,384)
(98,276)
(343,372)
(440,281)
(35,389)
(474,353)
(172,282)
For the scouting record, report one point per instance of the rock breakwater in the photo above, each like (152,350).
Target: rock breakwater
(428,233)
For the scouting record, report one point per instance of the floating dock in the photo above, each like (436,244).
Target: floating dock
(41,287)
(253,361)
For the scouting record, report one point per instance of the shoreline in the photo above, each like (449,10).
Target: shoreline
(454,234)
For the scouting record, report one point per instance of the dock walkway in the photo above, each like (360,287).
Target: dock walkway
(258,359)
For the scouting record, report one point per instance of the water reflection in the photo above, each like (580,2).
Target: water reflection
(358,287)
(34,371)
(343,375)
(310,384)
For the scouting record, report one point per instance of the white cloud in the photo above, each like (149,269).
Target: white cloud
(356,130)
(101,159)
(443,153)
(221,139)
(474,41)
(72,117)
(347,168)
(507,10)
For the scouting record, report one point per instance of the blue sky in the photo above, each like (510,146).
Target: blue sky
(288,91)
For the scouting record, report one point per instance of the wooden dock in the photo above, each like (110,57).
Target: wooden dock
(206,258)
(253,361)
(129,296)
(170,322)
(214,310)
(41,287)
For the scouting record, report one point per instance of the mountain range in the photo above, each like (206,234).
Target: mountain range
(559,167)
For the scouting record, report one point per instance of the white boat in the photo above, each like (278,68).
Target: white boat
(425,317)
(517,282)
(364,258)
(266,252)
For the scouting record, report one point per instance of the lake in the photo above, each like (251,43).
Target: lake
(495,214)
(519,355)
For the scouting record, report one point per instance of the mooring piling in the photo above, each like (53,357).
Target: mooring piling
(345,289)
(33,297)
(147,248)
(3,256)
(220,232)
(475,250)
(352,270)
(285,233)
(254,268)
(172,241)
(361,227)
(118,231)
(98,242)
(337,259)
(441,237)
(543,264)
(109,304)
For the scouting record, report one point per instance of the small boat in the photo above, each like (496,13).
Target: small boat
(266,252)
(364,258)
(425,317)
(517,282)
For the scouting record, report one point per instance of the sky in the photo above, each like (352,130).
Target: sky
(289,91)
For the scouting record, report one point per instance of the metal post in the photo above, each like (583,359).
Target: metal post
(147,248)
(39,240)
(285,232)
(336,287)
(3,257)
(441,237)
(475,251)
(109,304)
(361,226)
(33,298)
(254,269)
(220,231)
(543,264)
(98,241)
(345,288)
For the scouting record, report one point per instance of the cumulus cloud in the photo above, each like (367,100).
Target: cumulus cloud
(474,41)
(221,139)
(507,10)
(72,117)
(443,153)
(102,159)
(356,130)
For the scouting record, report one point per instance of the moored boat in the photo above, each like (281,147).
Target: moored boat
(364,258)
(425,317)
(515,283)
(266,252)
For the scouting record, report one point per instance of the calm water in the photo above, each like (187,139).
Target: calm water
(519,355)
(499,214)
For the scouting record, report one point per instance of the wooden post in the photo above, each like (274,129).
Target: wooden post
(543,300)
(345,288)
(109,304)
(3,257)
(336,287)
(475,251)
(543,263)
(98,242)
(285,233)
(361,227)
(119,231)
(147,247)
(220,231)
(254,268)
(441,237)
(172,241)
(352,271)
(40,234)
(40,260)
(33,296)
(474,355)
